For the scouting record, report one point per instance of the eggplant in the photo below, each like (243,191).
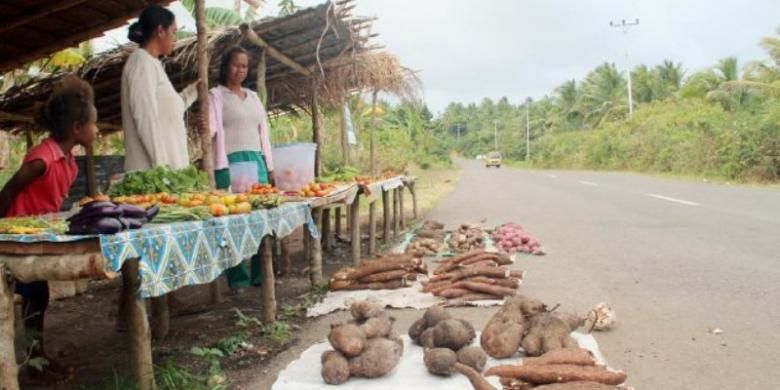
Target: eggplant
(101,226)
(152,211)
(133,223)
(130,211)
(97,204)
(96,212)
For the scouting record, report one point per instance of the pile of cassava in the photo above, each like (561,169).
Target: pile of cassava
(447,346)
(511,238)
(388,272)
(466,238)
(428,240)
(552,355)
(474,276)
(365,347)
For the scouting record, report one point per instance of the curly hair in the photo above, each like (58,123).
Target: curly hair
(70,104)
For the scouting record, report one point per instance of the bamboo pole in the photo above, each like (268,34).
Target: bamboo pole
(9,378)
(316,125)
(372,228)
(386,216)
(138,328)
(354,216)
(269,282)
(371,136)
(315,267)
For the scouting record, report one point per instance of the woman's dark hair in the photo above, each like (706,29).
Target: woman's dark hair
(152,16)
(70,104)
(225,64)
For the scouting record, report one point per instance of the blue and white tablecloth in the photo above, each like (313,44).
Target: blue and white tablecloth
(175,255)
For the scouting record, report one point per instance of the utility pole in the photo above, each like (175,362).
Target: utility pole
(528,128)
(495,134)
(625,26)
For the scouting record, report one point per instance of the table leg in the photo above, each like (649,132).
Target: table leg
(216,290)
(414,199)
(9,380)
(372,228)
(284,247)
(327,235)
(315,268)
(395,213)
(161,316)
(355,230)
(138,328)
(269,282)
(386,216)
(401,207)
(338,221)
(306,246)
(349,221)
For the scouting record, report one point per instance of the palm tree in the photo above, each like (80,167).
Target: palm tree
(727,69)
(646,84)
(671,78)
(603,94)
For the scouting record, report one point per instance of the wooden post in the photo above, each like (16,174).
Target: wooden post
(316,125)
(9,378)
(327,234)
(269,282)
(354,216)
(344,139)
(306,246)
(371,136)
(401,213)
(414,198)
(262,91)
(349,221)
(315,267)
(395,213)
(284,246)
(138,328)
(338,221)
(161,317)
(386,216)
(90,165)
(372,228)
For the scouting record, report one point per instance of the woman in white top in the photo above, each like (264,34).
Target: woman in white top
(152,110)
(239,127)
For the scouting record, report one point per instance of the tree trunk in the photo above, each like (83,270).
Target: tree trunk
(269,281)
(203,89)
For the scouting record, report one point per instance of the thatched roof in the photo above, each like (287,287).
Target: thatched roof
(31,29)
(323,41)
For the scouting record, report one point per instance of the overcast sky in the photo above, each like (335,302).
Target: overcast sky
(465,50)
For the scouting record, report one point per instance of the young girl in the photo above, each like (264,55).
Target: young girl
(40,186)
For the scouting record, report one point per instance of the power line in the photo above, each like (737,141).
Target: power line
(625,26)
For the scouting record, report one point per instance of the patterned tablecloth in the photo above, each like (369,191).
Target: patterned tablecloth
(189,253)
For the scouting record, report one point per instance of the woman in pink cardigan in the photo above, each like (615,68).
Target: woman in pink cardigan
(239,128)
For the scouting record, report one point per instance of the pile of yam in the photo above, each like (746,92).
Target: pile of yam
(366,347)
(388,272)
(466,238)
(428,240)
(474,276)
(560,369)
(447,342)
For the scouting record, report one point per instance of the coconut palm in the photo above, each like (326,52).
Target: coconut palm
(603,94)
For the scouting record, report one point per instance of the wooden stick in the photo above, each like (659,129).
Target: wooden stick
(386,216)
(138,328)
(315,268)
(306,246)
(269,282)
(355,218)
(161,317)
(371,134)
(396,222)
(372,228)
(338,221)
(203,90)
(8,380)
(401,207)
(316,125)
(414,198)
(256,40)
(327,234)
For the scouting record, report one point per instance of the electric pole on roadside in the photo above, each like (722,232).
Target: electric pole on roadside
(528,128)
(495,134)
(625,26)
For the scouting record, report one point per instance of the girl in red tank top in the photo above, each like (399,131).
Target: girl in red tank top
(40,186)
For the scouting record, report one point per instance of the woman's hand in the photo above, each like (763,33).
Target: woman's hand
(271,179)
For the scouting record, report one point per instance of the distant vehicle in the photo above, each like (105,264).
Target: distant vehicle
(493,159)
(480,157)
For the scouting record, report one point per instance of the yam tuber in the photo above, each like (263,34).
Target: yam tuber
(473,357)
(478,382)
(577,356)
(385,264)
(348,339)
(515,384)
(503,334)
(453,334)
(451,292)
(380,356)
(335,368)
(377,326)
(547,332)
(557,373)
(434,315)
(579,386)
(349,285)
(440,361)
(383,276)
(363,310)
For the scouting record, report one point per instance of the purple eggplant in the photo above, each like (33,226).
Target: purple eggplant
(152,211)
(130,211)
(97,204)
(100,226)
(133,223)
(95,213)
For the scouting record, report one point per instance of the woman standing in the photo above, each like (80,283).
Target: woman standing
(239,127)
(152,110)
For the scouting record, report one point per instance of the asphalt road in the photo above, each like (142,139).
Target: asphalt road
(675,259)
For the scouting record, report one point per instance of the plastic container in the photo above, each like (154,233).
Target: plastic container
(242,176)
(294,165)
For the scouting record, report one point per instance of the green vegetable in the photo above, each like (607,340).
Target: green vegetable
(340,174)
(173,213)
(161,179)
(265,202)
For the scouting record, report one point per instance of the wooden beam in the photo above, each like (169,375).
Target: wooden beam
(40,13)
(203,89)
(316,124)
(252,37)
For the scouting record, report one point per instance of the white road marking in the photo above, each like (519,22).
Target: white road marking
(589,183)
(685,202)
